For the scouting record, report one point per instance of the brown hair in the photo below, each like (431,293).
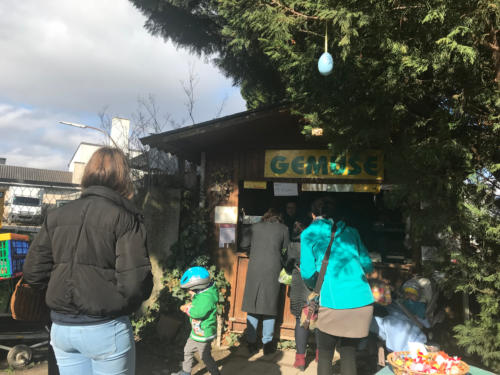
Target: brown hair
(108,167)
(272,216)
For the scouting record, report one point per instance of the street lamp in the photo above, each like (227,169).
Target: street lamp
(82,126)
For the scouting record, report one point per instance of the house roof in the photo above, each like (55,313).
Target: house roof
(83,144)
(272,127)
(11,173)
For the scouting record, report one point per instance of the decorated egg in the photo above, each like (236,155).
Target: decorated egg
(325,64)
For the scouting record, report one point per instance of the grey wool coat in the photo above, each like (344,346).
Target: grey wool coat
(262,288)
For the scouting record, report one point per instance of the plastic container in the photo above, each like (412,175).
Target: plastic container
(13,250)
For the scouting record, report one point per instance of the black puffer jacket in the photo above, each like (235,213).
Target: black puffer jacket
(92,253)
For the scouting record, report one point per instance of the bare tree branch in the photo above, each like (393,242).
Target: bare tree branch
(221,106)
(189,87)
(104,119)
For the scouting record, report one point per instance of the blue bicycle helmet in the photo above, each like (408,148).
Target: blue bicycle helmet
(195,278)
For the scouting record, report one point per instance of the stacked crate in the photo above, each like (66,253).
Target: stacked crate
(13,250)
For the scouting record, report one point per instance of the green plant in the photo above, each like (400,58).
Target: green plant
(233,339)
(286,344)
(191,249)
(143,324)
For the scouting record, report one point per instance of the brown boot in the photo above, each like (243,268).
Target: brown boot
(300,361)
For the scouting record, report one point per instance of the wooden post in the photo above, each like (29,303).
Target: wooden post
(203,167)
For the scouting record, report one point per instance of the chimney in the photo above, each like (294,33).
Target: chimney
(2,161)
(120,128)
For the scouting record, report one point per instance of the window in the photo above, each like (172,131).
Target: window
(61,202)
(26,201)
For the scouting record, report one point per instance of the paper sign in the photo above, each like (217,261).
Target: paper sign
(248,219)
(285,189)
(337,188)
(227,234)
(226,214)
(343,188)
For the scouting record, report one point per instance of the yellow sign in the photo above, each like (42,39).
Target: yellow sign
(368,165)
(367,188)
(255,185)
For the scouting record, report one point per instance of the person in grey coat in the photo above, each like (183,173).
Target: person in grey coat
(260,299)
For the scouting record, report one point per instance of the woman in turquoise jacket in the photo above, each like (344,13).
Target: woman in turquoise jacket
(346,300)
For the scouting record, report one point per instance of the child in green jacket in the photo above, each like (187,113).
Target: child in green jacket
(202,312)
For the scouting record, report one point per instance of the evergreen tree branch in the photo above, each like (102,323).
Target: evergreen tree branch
(311,32)
(293,11)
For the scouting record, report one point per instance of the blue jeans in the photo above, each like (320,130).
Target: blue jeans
(97,349)
(267,327)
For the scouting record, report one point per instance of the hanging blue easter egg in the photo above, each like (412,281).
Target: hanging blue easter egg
(325,64)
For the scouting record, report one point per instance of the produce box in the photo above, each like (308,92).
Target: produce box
(13,250)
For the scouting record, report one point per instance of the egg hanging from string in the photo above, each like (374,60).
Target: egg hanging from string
(325,62)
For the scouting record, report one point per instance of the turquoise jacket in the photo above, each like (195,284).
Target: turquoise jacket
(345,285)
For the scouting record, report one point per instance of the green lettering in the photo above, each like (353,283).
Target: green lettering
(356,169)
(298,165)
(312,165)
(337,165)
(371,165)
(278,165)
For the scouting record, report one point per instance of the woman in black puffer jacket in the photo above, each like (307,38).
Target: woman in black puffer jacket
(91,254)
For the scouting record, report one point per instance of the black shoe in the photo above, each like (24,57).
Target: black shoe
(269,348)
(252,348)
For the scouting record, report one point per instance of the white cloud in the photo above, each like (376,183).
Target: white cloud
(67,60)
(33,138)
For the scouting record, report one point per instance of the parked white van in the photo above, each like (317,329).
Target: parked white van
(23,204)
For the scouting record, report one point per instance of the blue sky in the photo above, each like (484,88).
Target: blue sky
(67,60)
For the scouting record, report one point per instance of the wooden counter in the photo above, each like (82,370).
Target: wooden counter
(395,274)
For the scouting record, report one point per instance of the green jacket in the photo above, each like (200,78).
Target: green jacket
(203,314)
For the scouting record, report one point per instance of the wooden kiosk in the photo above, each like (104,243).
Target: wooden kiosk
(267,161)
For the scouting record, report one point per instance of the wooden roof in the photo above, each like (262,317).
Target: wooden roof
(256,129)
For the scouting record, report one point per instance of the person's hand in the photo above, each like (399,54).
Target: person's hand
(185,308)
(297,226)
